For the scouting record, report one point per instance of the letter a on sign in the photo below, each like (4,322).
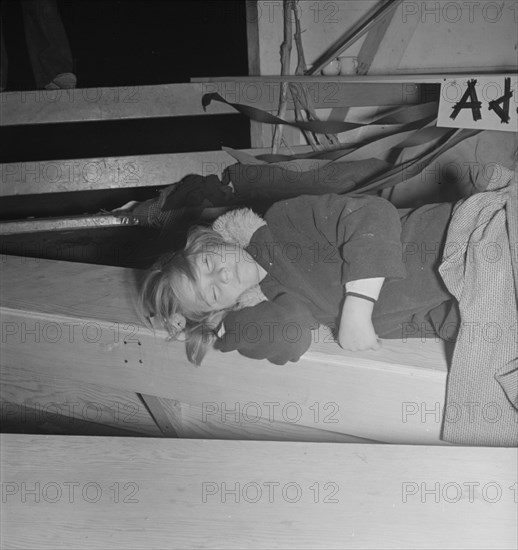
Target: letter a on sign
(481,103)
(474,104)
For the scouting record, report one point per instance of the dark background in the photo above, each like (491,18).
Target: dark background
(126,43)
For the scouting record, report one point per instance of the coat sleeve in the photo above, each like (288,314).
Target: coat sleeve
(371,236)
(366,231)
(278,330)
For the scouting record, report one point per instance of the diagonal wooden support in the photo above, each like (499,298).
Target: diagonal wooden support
(368,51)
(354,35)
(372,42)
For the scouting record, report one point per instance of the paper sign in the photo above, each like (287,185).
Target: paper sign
(479,102)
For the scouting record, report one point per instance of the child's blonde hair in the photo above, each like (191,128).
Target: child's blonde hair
(160,295)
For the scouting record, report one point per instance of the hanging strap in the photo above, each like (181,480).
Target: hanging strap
(408,118)
(402,115)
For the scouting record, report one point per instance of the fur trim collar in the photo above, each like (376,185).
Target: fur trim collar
(238,226)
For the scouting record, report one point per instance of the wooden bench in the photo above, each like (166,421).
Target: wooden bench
(99,492)
(77,322)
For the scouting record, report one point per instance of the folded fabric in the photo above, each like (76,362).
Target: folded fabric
(479,269)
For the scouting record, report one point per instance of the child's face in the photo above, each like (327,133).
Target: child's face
(221,277)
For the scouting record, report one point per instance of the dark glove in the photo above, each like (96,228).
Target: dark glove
(278,330)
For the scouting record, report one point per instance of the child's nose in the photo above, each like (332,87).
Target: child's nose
(225,275)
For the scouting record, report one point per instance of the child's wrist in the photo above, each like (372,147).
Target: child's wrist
(361,296)
(357,311)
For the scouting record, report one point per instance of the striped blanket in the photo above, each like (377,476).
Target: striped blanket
(480,269)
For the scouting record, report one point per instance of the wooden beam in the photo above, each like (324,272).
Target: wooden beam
(366,54)
(160,414)
(384,396)
(252,37)
(29,397)
(354,34)
(33,421)
(80,492)
(380,79)
(222,422)
(17,227)
(89,174)
(392,47)
(324,92)
(96,104)
(254,65)
(172,100)
(372,41)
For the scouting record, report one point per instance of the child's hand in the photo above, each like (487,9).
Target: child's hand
(356,332)
(358,337)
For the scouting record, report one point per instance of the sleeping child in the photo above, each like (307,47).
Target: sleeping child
(258,285)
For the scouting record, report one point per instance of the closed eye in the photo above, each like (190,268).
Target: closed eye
(207,294)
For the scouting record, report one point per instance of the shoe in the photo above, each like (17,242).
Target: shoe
(62,81)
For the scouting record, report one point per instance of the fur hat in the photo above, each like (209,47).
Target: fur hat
(238,226)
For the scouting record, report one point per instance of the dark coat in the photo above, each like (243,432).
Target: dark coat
(311,246)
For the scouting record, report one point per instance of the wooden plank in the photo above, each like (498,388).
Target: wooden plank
(366,55)
(254,65)
(160,414)
(324,92)
(392,46)
(252,38)
(379,79)
(225,421)
(55,176)
(171,100)
(462,71)
(95,104)
(372,41)
(29,397)
(393,395)
(94,492)
(89,174)
(261,135)
(32,421)
(133,246)
(17,227)
(354,34)
(323,385)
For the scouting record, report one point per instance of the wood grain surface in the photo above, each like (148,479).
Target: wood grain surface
(133,493)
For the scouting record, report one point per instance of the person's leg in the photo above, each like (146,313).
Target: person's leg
(47,44)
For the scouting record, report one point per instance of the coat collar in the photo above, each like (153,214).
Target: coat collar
(238,226)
